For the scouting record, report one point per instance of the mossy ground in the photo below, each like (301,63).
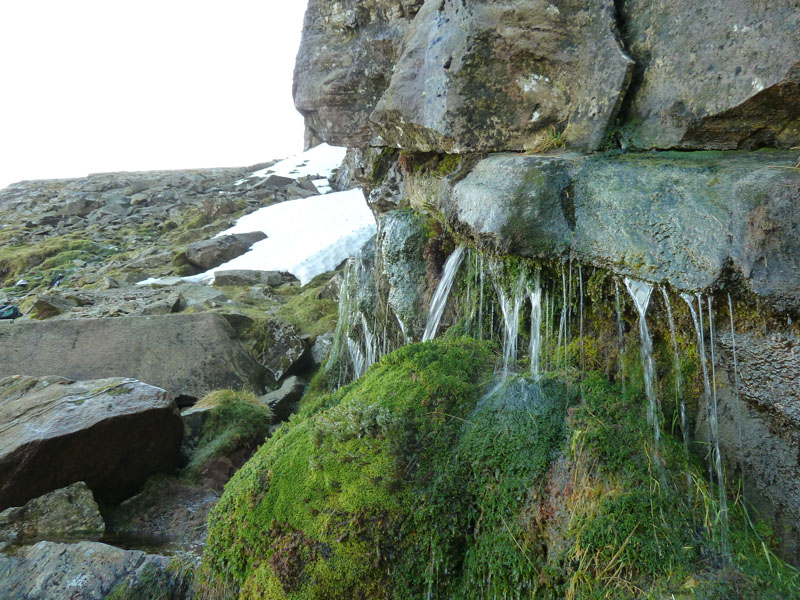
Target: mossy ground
(414,482)
(237,422)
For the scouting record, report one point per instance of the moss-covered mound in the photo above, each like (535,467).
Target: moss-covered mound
(425,480)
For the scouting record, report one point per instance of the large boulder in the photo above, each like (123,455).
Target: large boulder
(111,433)
(216,251)
(87,571)
(67,513)
(185,354)
(719,74)
(505,75)
(344,64)
(689,219)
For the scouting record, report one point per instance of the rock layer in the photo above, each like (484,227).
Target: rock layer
(687,219)
(110,433)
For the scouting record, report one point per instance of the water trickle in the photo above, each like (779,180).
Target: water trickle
(480,303)
(510,305)
(701,346)
(562,324)
(442,292)
(676,368)
(356,357)
(371,345)
(580,292)
(736,394)
(640,292)
(536,324)
(620,348)
(723,502)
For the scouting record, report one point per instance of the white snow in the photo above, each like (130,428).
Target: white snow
(306,237)
(320,160)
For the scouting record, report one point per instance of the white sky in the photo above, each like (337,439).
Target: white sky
(108,85)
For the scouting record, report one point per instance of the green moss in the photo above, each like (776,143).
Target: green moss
(304,309)
(237,421)
(38,263)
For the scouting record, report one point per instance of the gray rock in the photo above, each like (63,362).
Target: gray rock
(49,305)
(332,288)
(688,219)
(321,348)
(401,239)
(345,63)
(282,401)
(185,354)
(276,182)
(505,75)
(702,81)
(246,277)
(66,513)
(281,351)
(212,253)
(111,433)
(86,571)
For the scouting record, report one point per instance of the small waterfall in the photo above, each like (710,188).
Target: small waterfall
(676,367)
(701,346)
(736,395)
(562,324)
(356,357)
(510,305)
(620,340)
(723,502)
(442,292)
(371,345)
(480,303)
(536,325)
(640,292)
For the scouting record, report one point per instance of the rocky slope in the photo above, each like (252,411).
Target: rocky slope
(95,370)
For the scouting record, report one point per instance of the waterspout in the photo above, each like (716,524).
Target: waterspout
(442,293)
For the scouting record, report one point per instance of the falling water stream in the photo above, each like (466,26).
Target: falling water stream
(620,348)
(536,325)
(723,502)
(640,292)
(510,305)
(442,293)
(736,395)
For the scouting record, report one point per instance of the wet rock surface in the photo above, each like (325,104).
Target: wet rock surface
(689,219)
(49,570)
(57,431)
(66,513)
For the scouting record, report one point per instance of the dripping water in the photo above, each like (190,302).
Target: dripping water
(580,292)
(480,303)
(562,324)
(536,324)
(701,347)
(676,367)
(736,395)
(619,335)
(723,502)
(640,292)
(510,305)
(442,292)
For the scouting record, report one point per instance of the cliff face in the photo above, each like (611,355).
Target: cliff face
(566,117)
(452,76)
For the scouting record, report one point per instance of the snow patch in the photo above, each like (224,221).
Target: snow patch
(319,161)
(306,237)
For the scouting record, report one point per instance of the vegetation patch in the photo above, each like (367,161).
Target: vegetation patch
(237,422)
